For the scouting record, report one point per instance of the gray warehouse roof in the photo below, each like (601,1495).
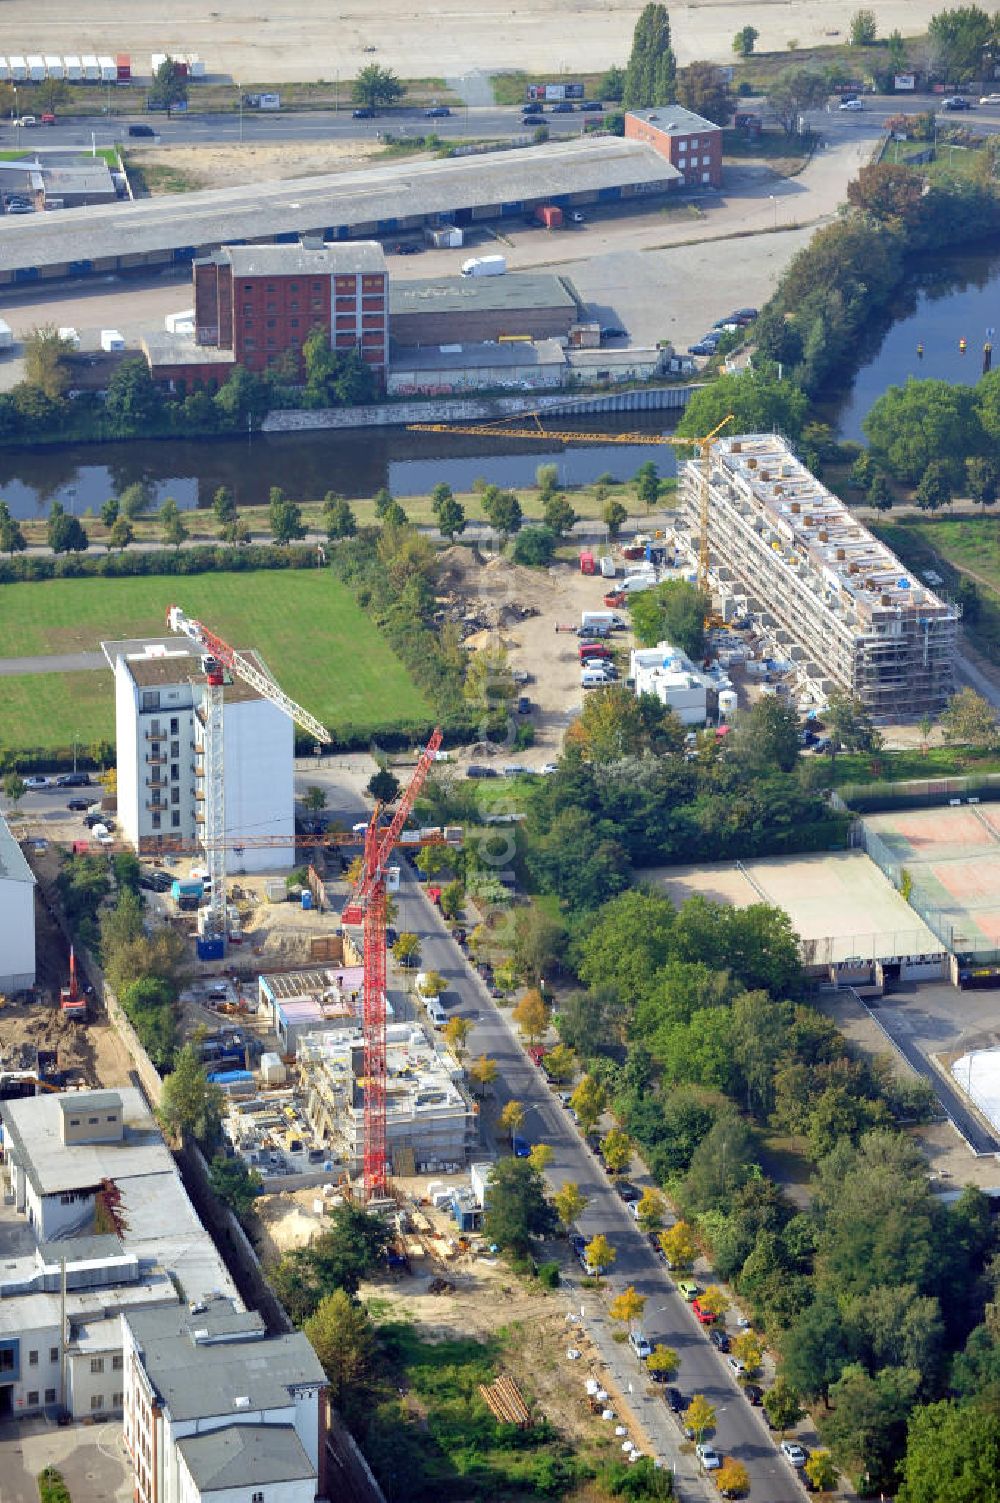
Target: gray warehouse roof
(517,290)
(674,120)
(240,1455)
(285,260)
(343,200)
(479,356)
(34,1130)
(13,867)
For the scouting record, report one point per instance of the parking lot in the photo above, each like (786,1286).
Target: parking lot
(91,1459)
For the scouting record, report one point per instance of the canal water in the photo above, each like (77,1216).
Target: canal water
(947,299)
(307,465)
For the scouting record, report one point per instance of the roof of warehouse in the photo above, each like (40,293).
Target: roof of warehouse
(13,867)
(216,217)
(478,356)
(517,290)
(241,1455)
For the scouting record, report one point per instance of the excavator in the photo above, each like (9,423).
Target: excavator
(72,1001)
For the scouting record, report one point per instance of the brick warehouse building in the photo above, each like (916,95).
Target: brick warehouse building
(254,303)
(687,141)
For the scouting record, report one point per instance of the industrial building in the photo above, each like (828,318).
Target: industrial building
(217,1411)
(834,599)
(60,184)
(431,1120)
(473,310)
(255,305)
(300,1002)
(160,719)
(544,365)
(361,205)
(690,143)
(17,915)
(92,1198)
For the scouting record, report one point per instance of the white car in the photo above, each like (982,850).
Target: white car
(851,104)
(709,1457)
(102,835)
(640,1345)
(793,1452)
(37,782)
(990,99)
(738,1367)
(547,768)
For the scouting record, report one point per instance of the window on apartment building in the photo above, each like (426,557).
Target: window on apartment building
(294,323)
(150,700)
(53,1354)
(294,305)
(97,1364)
(32,1359)
(175,821)
(316,286)
(175,795)
(32,1398)
(156,821)
(118,1401)
(272,344)
(96,1402)
(272,307)
(248,287)
(175,773)
(257,1497)
(175,725)
(316,304)
(271,287)
(249,344)
(50,1396)
(272,323)
(117,1362)
(6,1359)
(248,310)
(93,1121)
(175,748)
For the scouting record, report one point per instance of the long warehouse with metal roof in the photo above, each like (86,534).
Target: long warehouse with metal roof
(364,204)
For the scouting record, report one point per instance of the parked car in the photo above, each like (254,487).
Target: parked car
(19,206)
(438,112)
(564,107)
(708,1456)
(577,1242)
(407,248)
(531,108)
(793,1452)
(703,347)
(96,817)
(474,771)
(547,768)
(737,1365)
(514,770)
(990,99)
(37,781)
(364,113)
(73,780)
(48,118)
(81,805)
(688,1289)
(626,1191)
(753,1393)
(718,1338)
(27,120)
(704,1317)
(613,331)
(674,1400)
(521,1147)
(851,104)
(640,1345)
(744,315)
(141,130)
(956,102)
(523,705)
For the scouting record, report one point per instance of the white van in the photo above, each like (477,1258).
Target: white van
(636,582)
(435,1011)
(594,678)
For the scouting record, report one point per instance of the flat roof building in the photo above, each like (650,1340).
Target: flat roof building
(160,701)
(469,310)
(690,143)
(478,367)
(17,915)
(837,600)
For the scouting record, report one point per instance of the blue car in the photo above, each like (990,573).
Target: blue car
(521,1147)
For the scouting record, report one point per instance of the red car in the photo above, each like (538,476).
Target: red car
(594,650)
(48,119)
(705,1316)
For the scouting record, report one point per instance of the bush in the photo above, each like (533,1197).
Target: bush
(534,546)
(52,1488)
(548,1275)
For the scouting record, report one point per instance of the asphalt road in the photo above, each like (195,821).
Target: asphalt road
(271,129)
(740,1430)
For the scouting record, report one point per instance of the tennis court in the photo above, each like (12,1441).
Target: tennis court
(951,857)
(840,904)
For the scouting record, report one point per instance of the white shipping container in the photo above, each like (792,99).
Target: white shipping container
(18,69)
(109,69)
(74,68)
(111,340)
(54,67)
(6,335)
(91,68)
(36,68)
(70,335)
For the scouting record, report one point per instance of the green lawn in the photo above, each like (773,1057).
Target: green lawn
(320,646)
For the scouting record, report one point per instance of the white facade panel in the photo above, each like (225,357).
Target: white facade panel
(260,796)
(17,934)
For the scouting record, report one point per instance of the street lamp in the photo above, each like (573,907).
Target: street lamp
(239,94)
(17,118)
(774,206)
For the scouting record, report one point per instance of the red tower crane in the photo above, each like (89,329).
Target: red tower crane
(366,906)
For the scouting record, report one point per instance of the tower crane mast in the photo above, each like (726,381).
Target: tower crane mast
(251,668)
(366,906)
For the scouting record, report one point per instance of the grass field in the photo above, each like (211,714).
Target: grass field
(318,643)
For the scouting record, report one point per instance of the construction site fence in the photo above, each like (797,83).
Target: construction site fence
(940,921)
(918,793)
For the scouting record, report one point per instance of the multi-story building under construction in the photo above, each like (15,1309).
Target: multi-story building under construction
(845,608)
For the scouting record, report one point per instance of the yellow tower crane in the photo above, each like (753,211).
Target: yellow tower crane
(703,445)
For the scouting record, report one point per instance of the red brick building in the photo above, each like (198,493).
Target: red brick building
(687,141)
(255,303)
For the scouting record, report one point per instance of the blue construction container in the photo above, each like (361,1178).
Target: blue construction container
(307,900)
(211,947)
